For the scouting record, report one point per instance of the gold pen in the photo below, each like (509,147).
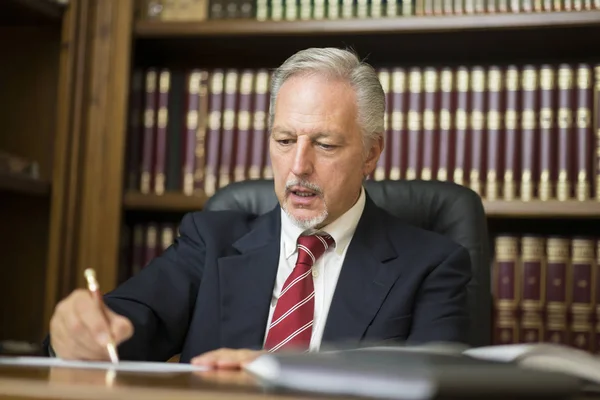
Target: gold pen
(92,283)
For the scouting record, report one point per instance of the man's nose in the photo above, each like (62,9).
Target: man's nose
(303,159)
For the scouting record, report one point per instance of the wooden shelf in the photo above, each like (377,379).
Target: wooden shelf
(426,24)
(176,202)
(543,209)
(170,202)
(23,184)
(30,12)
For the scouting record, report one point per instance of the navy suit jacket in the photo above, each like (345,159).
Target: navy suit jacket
(212,288)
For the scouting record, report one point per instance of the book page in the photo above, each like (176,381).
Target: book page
(131,366)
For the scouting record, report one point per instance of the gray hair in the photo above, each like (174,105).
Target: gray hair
(340,64)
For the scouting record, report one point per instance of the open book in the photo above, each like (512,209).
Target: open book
(434,371)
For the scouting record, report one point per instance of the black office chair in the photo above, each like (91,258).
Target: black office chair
(444,207)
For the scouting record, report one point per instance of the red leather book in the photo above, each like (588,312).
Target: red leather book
(228,144)
(430,111)
(213,133)
(461,125)
(259,124)
(511,132)
(446,119)
(477,124)
(532,288)
(565,132)
(243,125)
(495,144)
(557,278)
(398,143)
(529,155)
(415,125)
(193,144)
(583,277)
(506,283)
(585,132)
(547,165)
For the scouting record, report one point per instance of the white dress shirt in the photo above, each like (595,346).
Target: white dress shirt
(327,268)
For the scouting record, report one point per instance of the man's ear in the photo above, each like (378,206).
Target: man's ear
(375,150)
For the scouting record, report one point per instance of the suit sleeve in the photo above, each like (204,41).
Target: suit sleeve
(441,312)
(160,299)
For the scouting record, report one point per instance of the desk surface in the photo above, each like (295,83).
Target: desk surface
(25,383)
(34,383)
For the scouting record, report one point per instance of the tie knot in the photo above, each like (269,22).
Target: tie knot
(310,248)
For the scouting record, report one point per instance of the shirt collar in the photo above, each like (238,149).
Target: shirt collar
(341,230)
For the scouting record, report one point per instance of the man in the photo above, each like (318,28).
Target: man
(325,266)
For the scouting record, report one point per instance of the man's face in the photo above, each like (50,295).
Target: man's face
(317,150)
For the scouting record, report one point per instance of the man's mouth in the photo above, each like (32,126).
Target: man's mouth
(302,192)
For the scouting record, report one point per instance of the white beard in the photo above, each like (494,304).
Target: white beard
(310,223)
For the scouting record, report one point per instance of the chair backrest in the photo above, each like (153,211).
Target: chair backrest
(444,207)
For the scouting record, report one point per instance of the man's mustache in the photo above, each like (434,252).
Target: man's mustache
(304,184)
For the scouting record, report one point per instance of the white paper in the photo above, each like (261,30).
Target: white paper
(131,366)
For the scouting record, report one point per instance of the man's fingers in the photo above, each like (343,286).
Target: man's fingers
(226,358)
(121,327)
(90,315)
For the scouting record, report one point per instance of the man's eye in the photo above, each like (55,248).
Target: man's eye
(326,146)
(284,142)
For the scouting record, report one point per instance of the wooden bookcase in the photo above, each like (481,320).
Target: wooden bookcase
(76,216)
(30,44)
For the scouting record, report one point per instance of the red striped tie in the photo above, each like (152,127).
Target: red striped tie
(291,325)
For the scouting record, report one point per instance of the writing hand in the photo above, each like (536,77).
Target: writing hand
(79,331)
(227,358)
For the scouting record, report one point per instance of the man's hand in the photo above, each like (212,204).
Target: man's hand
(226,358)
(78,330)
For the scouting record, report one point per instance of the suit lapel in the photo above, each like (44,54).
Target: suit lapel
(364,280)
(246,280)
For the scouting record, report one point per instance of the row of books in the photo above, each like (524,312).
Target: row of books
(511,132)
(547,289)
(291,10)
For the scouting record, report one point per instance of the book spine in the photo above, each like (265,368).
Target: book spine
(511,133)
(506,283)
(597,127)
(414,122)
(584,129)
(259,124)
(429,122)
(529,86)
(564,119)
(243,126)
(447,89)
(213,138)
(547,133)
(191,126)
(149,131)
(381,170)
(477,122)
(557,270)
(494,131)
(162,120)
(461,125)
(201,132)
(398,124)
(532,287)
(583,276)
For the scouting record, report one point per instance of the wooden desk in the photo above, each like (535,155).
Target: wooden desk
(28,383)
(34,383)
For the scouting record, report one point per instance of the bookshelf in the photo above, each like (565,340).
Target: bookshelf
(93,209)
